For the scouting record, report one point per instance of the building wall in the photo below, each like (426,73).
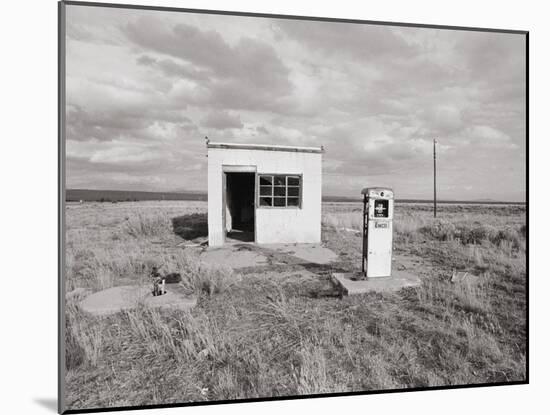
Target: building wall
(273,225)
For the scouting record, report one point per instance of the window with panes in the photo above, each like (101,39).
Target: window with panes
(280,190)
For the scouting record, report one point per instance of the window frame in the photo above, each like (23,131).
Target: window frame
(299,176)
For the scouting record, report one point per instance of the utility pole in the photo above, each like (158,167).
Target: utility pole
(435,194)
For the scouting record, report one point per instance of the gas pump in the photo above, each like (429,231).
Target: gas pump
(377,232)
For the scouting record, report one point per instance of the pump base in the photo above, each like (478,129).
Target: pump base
(352,283)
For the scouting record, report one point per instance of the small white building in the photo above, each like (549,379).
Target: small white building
(264,193)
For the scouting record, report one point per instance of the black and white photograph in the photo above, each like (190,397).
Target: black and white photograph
(260,207)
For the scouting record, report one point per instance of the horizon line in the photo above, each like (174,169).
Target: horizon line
(359,197)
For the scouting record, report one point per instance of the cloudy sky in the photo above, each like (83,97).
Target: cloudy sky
(145,87)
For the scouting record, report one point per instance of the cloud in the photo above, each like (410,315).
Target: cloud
(373,96)
(113,123)
(172,69)
(359,41)
(125,154)
(443,119)
(493,57)
(79,32)
(221,120)
(146,60)
(372,147)
(249,74)
(488,136)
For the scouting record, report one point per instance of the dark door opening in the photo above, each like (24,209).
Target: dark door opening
(239,206)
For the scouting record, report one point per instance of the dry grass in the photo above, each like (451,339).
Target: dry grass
(253,336)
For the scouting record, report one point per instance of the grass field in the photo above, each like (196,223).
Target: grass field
(263,333)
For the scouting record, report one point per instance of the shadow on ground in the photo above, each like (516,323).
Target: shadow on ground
(48,403)
(242,236)
(287,260)
(191,226)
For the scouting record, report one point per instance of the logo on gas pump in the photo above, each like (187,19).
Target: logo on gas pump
(380,208)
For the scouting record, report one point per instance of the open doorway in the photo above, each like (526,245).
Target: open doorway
(239,206)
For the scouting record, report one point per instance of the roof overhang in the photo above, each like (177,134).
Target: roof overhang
(265,147)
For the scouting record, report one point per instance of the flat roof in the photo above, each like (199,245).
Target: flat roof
(265,147)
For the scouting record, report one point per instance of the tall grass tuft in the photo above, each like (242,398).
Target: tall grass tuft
(310,373)
(84,338)
(183,337)
(343,221)
(199,276)
(140,225)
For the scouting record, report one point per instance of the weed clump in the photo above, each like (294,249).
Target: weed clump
(146,226)
(84,338)
(472,233)
(441,230)
(191,226)
(200,277)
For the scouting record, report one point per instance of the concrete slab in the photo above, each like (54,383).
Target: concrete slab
(127,297)
(250,255)
(77,294)
(399,279)
(310,253)
(233,256)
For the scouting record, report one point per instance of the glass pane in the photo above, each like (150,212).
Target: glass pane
(294,181)
(266,201)
(279,201)
(293,201)
(266,190)
(266,180)
(280,181)
(279,191)
(293,191)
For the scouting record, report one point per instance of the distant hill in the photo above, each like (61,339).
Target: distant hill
(89,195)
(439,202)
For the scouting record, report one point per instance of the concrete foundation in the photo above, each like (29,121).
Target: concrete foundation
(128,297)
(234,256)
(239,256)
(350,284)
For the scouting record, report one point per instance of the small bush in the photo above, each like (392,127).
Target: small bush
(511,235)
(406,228)
(191,226)
(471,296)
(476,233)
(440,230)
(523,230)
